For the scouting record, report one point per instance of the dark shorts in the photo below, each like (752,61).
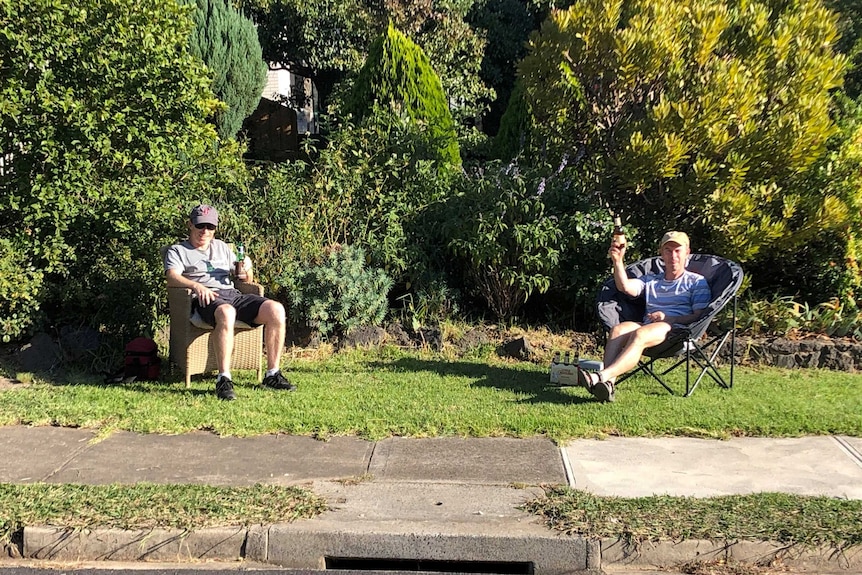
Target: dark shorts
(247,306)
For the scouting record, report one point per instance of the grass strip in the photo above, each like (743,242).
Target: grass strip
(785,518)
(147,506)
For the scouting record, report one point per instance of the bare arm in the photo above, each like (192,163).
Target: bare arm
(624,283)
(204,294)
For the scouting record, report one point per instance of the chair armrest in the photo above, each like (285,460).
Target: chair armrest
(180,307)
(180,302)
(249,287)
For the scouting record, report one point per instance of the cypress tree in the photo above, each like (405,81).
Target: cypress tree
(226,41)
(397,76)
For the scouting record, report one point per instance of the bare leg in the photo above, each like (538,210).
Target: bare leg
(225,319)
(272,317)
(618,339)
(636,342)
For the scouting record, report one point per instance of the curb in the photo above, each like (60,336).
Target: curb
(294,547)
(329,546)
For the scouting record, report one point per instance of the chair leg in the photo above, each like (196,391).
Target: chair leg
(648,367)
(688,388)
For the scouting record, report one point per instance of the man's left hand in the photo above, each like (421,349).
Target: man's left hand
(656,316)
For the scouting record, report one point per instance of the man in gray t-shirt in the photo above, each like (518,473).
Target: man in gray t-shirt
(204,265)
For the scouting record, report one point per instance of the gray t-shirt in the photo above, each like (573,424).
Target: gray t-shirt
(210,267)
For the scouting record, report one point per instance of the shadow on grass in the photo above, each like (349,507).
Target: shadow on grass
(168,382)
(531,386)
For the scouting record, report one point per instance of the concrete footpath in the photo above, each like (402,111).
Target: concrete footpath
(436,503)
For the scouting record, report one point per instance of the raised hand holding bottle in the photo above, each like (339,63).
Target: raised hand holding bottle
(619,234)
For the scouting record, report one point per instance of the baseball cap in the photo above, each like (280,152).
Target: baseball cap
(204,214)
(678,237)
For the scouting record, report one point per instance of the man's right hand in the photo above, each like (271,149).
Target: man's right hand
(204,294)
(617,252)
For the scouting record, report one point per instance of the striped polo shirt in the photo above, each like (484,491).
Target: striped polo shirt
(682,296)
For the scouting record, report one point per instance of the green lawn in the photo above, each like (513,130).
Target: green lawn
(376,394)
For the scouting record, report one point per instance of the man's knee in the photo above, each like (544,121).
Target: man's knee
(225,315)
(622,329)
(651,334)
(272,312)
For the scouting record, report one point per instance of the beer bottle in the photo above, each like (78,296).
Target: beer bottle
(619,234)
(239,266)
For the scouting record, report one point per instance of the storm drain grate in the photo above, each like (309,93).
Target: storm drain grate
(429,565)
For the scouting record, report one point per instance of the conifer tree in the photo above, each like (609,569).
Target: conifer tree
(397,78)
(227,43)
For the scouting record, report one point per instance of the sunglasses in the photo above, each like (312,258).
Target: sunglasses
(205,227)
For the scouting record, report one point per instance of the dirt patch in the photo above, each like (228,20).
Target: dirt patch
(6,383)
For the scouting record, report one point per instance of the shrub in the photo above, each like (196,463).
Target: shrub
(337,293)
(103,142)
(368,187)
(703,111)
(499,227)
(20,285)
(783,316)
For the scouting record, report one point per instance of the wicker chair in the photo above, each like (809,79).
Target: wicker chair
(191,348)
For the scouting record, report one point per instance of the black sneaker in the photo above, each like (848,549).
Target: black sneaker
(224,389)
(278,381)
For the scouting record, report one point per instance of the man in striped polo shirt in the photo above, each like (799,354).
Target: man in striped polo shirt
(676,296)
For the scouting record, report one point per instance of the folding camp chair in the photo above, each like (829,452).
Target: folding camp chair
(684,341)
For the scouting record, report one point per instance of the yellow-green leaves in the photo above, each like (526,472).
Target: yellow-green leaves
(705,107)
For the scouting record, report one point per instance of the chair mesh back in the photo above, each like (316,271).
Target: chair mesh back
(723,276)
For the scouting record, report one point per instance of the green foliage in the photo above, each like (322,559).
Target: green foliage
(327,40)
(850,28)
(456,50)
(369,187)
(102,141)
(20,285)
(507,25)
(431,304)
(398,81)
(320,39)
(500,227)
(270,216)
(338,293)
(515,126)
(783,316)
(227,43)
(699,114)
(827,264)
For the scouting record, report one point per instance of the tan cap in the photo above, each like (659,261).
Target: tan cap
(678,237)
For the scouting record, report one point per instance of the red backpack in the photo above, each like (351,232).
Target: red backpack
(142,359)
